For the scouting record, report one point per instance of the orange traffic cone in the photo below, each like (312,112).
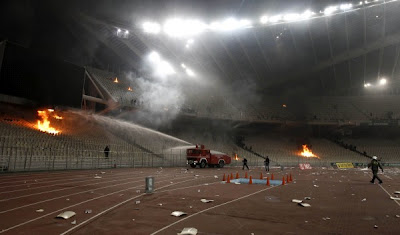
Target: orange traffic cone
(237,175)
(272,176)
(223,178)
(250,181)
(245,175)
(261,176)
(287,179)
(228,180)
(290,177)
(283,180)
(231,176)
(268,184)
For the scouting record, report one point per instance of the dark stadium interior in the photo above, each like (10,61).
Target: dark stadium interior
(96,95)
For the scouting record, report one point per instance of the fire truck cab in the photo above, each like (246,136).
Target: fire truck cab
(203,157)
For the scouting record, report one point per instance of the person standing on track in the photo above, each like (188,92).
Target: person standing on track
(266,162)
(375,165)
(245,164)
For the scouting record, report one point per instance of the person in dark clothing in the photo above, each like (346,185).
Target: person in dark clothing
(106,151)
(375,165)
(266,162)
(245,164)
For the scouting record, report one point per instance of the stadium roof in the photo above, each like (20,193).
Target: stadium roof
(337,51)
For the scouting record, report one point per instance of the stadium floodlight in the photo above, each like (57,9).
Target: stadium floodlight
(345,7)
(367,84)
(126,32)
(330,10)
(366,2)
(150,27)
(190,72)
(361,3)
(291,17)
(154,57)
(118,30)
(264,19)
(164,68)
(276,18)
(382,81)
(230,24)
(183,28)
(307,14)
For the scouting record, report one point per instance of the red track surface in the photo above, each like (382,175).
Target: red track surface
(236,209)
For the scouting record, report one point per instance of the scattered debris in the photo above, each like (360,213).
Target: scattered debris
(215,176)
(160,204)
(137,191)
(121,194)
(217,195)
(395,198)
(304,204)
(188,231)
(190,207)
(39,210)
(171,182)
(297,201)
(326,218)
(73,222)
(237,183)
(97,177)
(206,200)
(88,211)
(102,172)
(396,192)
(364,200)
(66,215)
(133,219)
(352,194)
(196,175)
(178,213)
(198,190)
(183,198)
(137,202)
(306,221)
(316,186)
(67,199)
(307,198)
(397,216)
(375,226)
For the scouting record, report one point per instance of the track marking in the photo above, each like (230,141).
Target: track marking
(222,204)
(380,185)
(77,204)
(72,194)
(56,190)
(121,203)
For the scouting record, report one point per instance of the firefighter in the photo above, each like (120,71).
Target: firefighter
(266,162)
(245,164)
(375,165)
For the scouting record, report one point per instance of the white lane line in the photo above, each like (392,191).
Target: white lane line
(53,185)
(72,194)
(77,204)
(380,185)
(57,190)
(121,203)
(222,204)
(397,202)
(39,181)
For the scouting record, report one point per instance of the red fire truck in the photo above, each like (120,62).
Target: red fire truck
(203,157)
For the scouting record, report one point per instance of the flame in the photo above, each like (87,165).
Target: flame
(116,80)
(307,152)
(57,117)
(236,157)
(44,125)
(129,89)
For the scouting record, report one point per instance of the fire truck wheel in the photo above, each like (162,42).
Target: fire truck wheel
(203,164)
(193,165)
(221,164)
